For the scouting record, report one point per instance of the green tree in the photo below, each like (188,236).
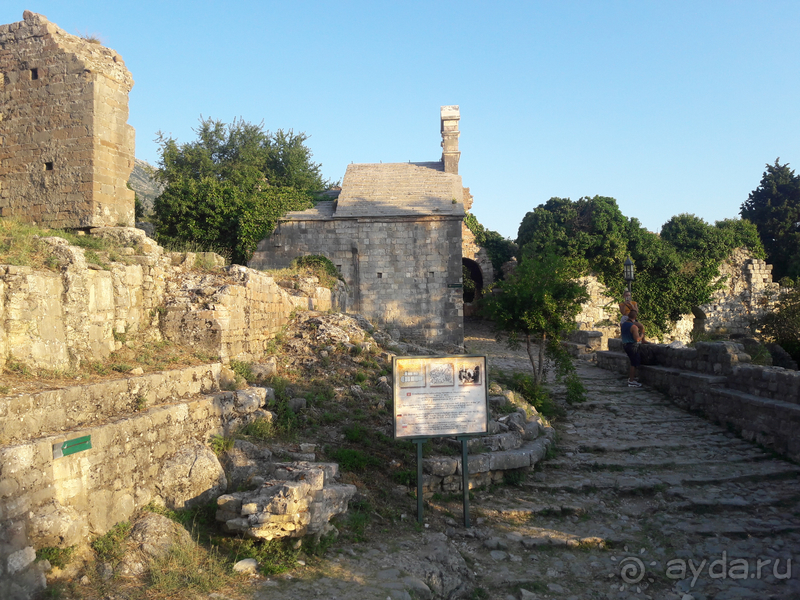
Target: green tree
(499,249)
(774,208)
(675,271)
(537,304)
(592,231)
(227,189)
(782,325)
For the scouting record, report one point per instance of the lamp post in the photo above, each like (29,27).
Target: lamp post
(628,272)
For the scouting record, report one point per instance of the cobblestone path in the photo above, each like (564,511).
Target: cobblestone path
(642,500)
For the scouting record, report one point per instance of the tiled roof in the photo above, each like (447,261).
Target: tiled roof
(399,189)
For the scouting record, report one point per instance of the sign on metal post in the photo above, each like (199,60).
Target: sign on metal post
(72,446)
(440,396)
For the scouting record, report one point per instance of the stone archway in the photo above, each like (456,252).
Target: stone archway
(699,324)
(472,293)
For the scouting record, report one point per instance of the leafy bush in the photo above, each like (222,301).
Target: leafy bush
(57,557)
(356,433)
(243,370)
(353,460)
(221,444)
(782,325)
(261,429)
(536,395)
(274,556)
(111,546)
(576,391)
(229,187)
(321,266)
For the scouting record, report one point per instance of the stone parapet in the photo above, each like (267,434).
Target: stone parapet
(718,358)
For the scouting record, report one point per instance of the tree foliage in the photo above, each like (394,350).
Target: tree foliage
(782,325)
(227,189)
(499,249)
(774,208)
(537,304)
(675,271)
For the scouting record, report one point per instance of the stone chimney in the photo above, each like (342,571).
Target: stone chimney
(450,154)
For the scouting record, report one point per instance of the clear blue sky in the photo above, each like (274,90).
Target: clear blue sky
(669,107)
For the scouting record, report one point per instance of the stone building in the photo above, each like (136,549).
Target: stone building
(66,150)
(395,234)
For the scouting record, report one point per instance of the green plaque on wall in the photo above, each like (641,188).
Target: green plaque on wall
(72,446)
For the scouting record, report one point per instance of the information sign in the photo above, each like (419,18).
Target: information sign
(440,396)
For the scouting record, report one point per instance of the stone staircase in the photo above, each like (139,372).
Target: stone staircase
(762,404)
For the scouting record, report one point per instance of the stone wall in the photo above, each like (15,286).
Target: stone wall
(397,270)
(46,500)
(56,320)
(747,292)
(762,404)
(67,149)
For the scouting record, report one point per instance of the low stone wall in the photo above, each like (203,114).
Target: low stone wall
(762,404)
(444,474)
(718,358)
(28,416)
(776,383)
(49,501)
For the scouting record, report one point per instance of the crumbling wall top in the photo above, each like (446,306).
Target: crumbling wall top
(91,56)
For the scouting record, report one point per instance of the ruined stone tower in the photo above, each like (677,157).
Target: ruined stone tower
(66,149)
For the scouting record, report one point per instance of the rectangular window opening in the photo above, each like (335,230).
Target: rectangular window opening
(48,166)
(34,74)
(380,275)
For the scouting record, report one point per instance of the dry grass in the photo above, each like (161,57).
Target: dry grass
(150,356)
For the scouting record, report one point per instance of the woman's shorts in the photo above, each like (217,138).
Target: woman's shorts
(632,350)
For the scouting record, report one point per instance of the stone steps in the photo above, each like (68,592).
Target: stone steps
(629,483)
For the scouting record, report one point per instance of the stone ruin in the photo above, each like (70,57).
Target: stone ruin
(747,293)
(66,150)
(297,500)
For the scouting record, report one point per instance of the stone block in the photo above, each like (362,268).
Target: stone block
(440,466)
(512,459)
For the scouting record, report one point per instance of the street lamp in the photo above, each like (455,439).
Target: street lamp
(628,272)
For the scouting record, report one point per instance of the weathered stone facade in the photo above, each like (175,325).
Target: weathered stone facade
(397,271)
(67,150)
(395,233)
(58,320)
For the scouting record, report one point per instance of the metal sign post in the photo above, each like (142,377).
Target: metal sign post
(419,442)
(440,396)
(465,476)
